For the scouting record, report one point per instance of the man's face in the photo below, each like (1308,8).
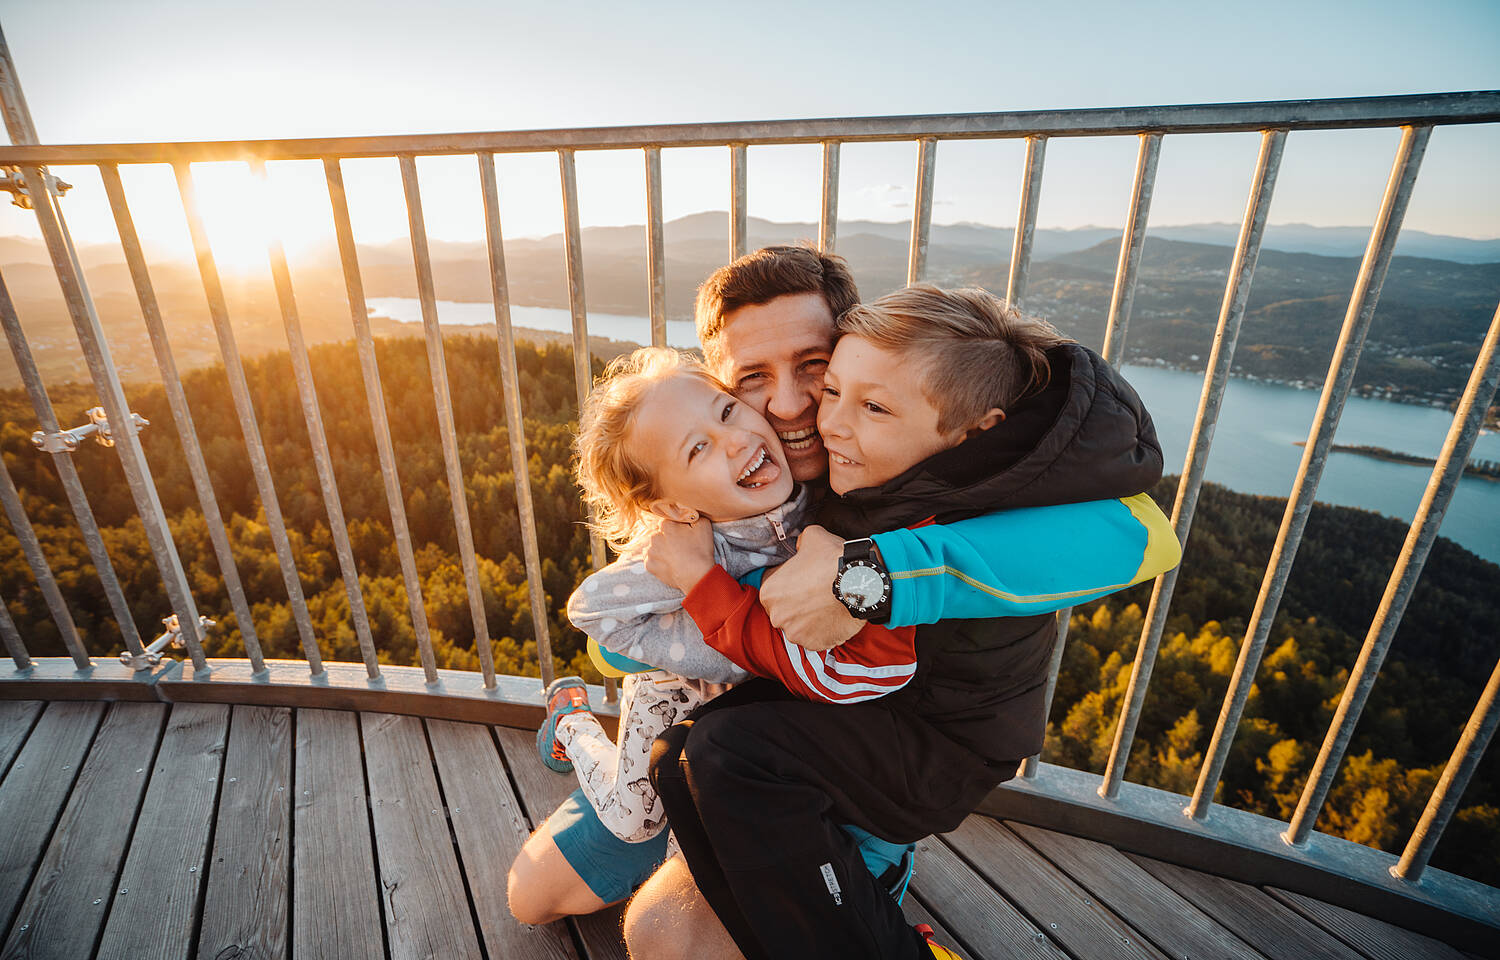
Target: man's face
(776,353)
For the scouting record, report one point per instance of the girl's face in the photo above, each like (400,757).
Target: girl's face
(874,418)
(711,455)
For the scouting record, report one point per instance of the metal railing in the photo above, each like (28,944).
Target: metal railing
(1414,115)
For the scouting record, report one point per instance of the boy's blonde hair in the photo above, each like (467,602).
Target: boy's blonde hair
(616,487)
(975,350)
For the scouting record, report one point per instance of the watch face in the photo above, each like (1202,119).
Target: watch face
(861,585)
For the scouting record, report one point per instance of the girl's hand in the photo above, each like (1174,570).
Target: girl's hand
(680,554)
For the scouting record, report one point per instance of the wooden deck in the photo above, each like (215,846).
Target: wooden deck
(144,830)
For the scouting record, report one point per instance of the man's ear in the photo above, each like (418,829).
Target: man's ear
(672,510)
(991,417)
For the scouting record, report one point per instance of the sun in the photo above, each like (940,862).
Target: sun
(243,213)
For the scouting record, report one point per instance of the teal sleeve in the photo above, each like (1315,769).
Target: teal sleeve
(1023,562)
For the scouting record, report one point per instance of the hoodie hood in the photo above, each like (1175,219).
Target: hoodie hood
(1086,436)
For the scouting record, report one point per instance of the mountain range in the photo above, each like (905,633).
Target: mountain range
(1432,314)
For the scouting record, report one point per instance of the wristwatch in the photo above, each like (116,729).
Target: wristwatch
(862,584)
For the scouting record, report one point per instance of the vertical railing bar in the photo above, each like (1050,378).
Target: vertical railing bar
(828,215)
(583,375)
(182,417)
(1215,379)
(31,548)
(921,217)
(1450,787)
(14,645)
(515,425)
(1362,301)
(656,257)
(443,400)
(102,370)
(739,201)
(239,391)
(1030,765)
(106,379)
(1468,417)
(1131,243)
(1031,201)
(1020,266)
(72,484)
(364,345)
(307,392)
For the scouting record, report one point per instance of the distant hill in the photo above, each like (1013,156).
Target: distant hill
(1431,318)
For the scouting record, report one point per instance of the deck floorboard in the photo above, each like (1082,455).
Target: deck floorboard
(1172,923)
(335,890)
(245,907)
(490,827)
(74,886)
(1262,921)
(156,904)
(426,907)
(34,791)
(302,834)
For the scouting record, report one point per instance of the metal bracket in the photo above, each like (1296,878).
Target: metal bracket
(172,636)
(11,182)
(66,441)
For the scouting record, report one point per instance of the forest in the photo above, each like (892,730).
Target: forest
(1442,654)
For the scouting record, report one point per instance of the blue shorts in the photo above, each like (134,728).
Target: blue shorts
(613,868)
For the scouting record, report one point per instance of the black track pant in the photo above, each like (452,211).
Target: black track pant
(756,785)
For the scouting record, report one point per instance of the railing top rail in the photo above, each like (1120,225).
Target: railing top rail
(1480,106)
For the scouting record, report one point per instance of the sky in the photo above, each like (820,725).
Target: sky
(154,70)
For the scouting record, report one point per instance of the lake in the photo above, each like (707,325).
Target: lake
(1254,448)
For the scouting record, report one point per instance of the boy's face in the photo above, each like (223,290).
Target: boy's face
(875,419)
(776,353)
(710,454)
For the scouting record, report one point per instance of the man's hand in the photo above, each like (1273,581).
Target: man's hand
(680,554)
(798,595)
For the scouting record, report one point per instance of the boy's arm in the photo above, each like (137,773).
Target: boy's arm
(875,662)
(1027,561)
(630,612)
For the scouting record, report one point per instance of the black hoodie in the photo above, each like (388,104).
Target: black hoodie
(1086,436)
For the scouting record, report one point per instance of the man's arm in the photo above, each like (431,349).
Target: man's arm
(875,662)
(1004,564)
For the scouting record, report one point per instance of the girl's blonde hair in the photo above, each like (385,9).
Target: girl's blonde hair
(618,488)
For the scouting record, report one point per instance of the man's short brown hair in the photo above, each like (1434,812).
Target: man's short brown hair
(971,350)
(761,277)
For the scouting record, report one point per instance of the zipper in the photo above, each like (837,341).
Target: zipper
(778,529)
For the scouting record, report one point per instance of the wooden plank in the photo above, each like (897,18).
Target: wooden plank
(1253,915)
(335,890)
(1374,938)
(426,908)
(74,887)
(985,923)
(16,720)
(1064,910)
(490,827)
(1172,923)
(157,897)
(245,907)
(539,788)
(32,796)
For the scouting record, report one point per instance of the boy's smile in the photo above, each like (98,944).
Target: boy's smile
(875,418)
(709,453)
